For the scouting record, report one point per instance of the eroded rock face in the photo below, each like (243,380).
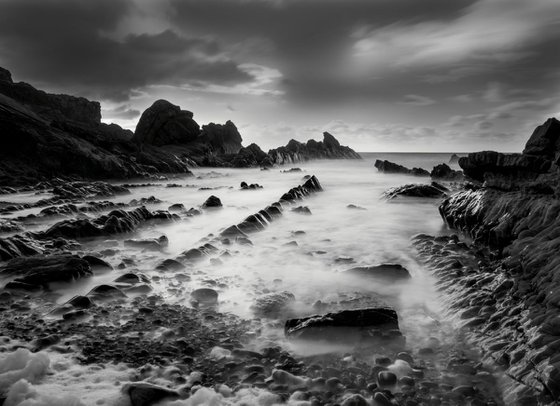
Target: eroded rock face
(416,190)
(116,222)
(534,169)
(46,136)
(516,213)
(545,140)
(383,272)
(164,123)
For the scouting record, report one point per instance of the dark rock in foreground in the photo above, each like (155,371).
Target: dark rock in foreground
(416,190)
(545,140)
(514,209)
(147,394)
(212,202)
(533,170)
(116,222)
(384,272)
(346,325)
(37,272)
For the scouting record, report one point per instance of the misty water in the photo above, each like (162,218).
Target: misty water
(297,253)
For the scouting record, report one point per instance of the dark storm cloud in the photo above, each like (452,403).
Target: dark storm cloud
(306,40)
(414,46)
(68,43)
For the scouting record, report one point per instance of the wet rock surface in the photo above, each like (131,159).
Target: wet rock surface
(38,271)
(387,272)
(336,326)
(502,284)
(417,190)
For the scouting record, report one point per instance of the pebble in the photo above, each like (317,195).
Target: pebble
(386,378)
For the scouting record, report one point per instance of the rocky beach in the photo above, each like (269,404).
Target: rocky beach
(98,277)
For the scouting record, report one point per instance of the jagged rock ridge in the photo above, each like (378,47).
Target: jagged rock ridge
(47,135)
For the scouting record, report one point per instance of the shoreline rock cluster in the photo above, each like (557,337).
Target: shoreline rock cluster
(50,135)
(506,281)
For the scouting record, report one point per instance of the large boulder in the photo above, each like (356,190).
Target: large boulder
(444,172)
(545,140)
(38,271)
(346,325)
(147,394)
(222,138)
(383,272)
(164,123)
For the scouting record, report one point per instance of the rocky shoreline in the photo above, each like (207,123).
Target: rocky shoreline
(502,281)
(178,352)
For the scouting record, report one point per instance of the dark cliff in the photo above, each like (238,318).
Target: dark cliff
(45,135)
(513,208)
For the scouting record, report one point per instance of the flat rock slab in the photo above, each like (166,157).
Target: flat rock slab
(346,325)
(385,272)
(39,271)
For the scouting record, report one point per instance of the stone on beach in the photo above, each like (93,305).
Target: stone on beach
(383,272)
(343,325)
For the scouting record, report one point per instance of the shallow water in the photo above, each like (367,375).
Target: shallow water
(332,239)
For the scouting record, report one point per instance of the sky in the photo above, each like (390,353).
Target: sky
(380,75)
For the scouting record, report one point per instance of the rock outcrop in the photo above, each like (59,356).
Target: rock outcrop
(391,167)
(49,135)
(514,209)
(37,272)
(52,107)
(164,123)
(296,151)
(346,325)
(383,272)
(416,190)
(534,169)
(444,172)
(222,138)
(46,136)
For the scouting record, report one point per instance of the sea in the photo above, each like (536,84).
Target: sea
(303,254)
